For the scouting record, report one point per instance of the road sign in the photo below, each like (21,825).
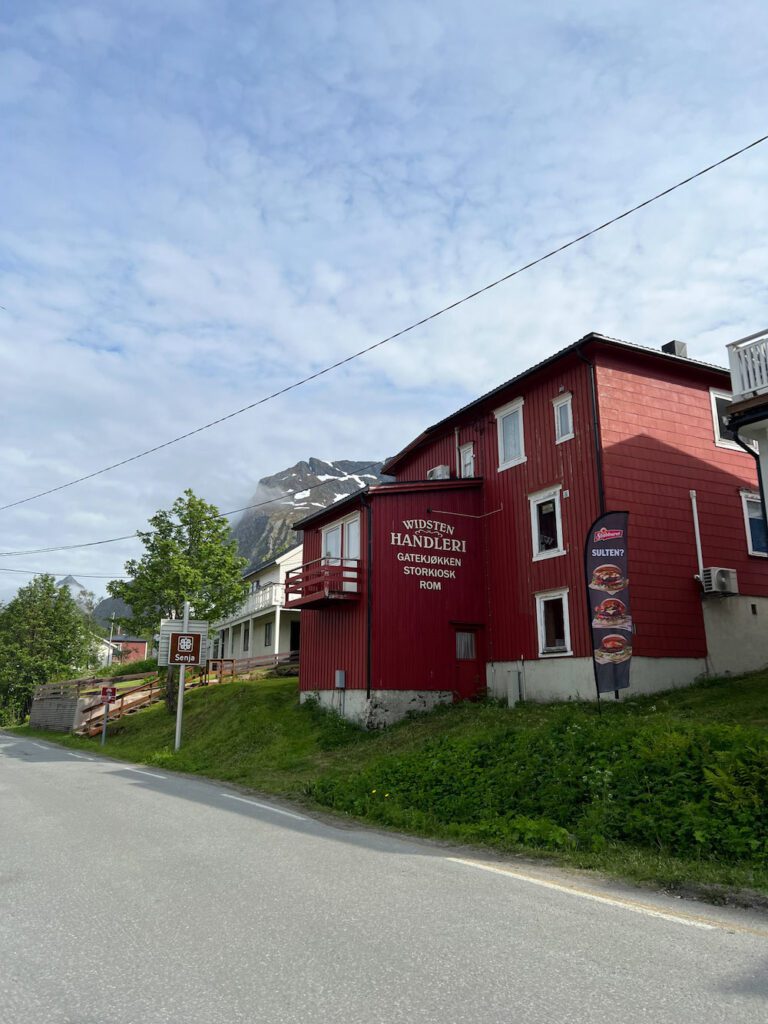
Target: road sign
(108,694)
(168,626)
(184,649)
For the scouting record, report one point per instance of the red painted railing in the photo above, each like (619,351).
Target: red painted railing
(323,578)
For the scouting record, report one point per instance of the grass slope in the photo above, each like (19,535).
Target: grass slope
(671,790)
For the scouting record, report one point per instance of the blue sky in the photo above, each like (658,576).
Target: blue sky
(202,201)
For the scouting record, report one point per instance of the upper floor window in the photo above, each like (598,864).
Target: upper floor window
(724,437)
(509,424)
(467,459)
(342,540)
(757,535)
(546,524)
(563,417)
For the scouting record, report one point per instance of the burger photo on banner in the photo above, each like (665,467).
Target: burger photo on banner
(605,564)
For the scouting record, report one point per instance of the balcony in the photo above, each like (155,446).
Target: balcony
(322,582)
(262,600)
(748,360)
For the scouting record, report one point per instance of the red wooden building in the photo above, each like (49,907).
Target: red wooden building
(466,572)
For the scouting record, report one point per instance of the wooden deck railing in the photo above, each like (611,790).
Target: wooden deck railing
(323,577)
(749,366)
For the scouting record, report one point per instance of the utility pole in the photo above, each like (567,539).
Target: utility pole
(111,631)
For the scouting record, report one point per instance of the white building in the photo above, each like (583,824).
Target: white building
(746,411)
(261,627)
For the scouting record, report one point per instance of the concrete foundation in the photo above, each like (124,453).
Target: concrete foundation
(558,679)
(737,634)
(58,714)
(382,708)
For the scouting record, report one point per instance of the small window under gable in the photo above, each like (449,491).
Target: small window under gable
(511,438)
(546,524)
(755,525)
(563,408)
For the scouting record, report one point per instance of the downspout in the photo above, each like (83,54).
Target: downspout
(595,432)
(369,596)
(458,451)
(744,421)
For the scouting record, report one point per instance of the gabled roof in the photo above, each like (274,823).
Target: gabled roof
(588,339)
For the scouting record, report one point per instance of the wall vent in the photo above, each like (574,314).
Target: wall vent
(439,473)
(717,580)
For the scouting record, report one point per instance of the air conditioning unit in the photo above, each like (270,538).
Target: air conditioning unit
(439,473)
(716,580)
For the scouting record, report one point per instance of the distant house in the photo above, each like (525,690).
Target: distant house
(130,648)
(262,626)
(106,652)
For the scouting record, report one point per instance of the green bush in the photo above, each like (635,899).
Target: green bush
(681,789)
(131,668)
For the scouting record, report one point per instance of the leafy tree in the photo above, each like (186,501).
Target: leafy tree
(189,555)
(42,637)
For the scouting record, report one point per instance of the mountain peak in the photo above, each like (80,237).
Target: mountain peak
(265,532)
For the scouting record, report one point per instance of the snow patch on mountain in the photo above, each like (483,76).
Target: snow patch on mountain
(264,532)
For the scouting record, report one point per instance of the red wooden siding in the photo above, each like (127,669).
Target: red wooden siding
(513,578)
(658,440)
(334,638)
(414,645)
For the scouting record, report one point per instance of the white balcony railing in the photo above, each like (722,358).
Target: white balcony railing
(260,600)
(748,360)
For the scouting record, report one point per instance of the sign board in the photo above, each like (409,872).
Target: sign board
(108,694)
(195,627)
(184,649)
(607,577)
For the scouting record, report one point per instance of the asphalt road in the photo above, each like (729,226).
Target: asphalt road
(138,897)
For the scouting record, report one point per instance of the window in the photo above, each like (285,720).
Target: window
(509,424)
(563,417)
(467,459)
(341,546)
(465,646)
(757,535)
(724,438)
(546,524)
(267,634)
(246,636)
(553,625)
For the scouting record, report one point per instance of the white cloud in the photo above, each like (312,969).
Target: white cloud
(238,194)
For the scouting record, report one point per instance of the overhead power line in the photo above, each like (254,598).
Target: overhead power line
(80,575)
(392,337)
(220,515)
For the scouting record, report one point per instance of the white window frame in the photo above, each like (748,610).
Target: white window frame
(464,449)
(340,523)
(245,637)
(534,500)
(745,497)
(500,414)
(541,598)
(723,442)
(269,634)
(557,403)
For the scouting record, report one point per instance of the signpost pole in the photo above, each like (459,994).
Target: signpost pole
(182,672)
(105,708)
